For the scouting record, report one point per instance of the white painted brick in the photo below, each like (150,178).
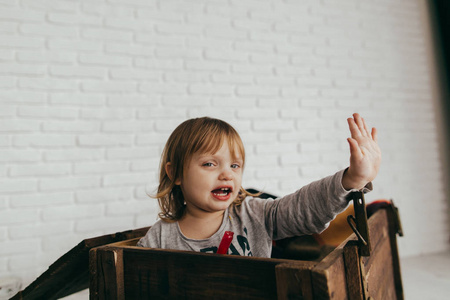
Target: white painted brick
(306,147)
(8,26)
(160,113)
(68,183)
(3,234)
(70,126)
(148,165)
(21,69)
(107,10)
(45,57)
(100,167)
(125,179)
(6,54)
(163,88)
(105,194)
(252,113)
(286,71)
(129,49)
(182,6)
(273,148)
(18,215)
(28,231)
(273,125)
(77,71)
(202,65)
(128,207)
(21,14)
(96,140)
(197,102)
(253,46)
(5,141)
(252,69)
(65,243)
(47,84)
(107,113)
(158,39)
(19,155)
(83,211)
(41,200)
(127,126)
(46,5)
(27,246)
(251,137)
(39,170)
(158,64)
(74,19)
(72,155)
(211,112)
(109,87)
(226,55)
(47,112)
(133,74)
(135,153)
(107,34)
(217,89)
(293,112)
(16,42)
(74,45)
(8,110)
(48,30)
(187,77)
(109,224)
(176,53)
(104,60)
(77,99)
(178,29)
(270,173)
(232,78)
(154,14)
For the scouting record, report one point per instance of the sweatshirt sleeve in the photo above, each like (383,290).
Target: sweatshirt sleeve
(308,210)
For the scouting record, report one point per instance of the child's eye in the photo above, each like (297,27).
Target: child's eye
(208,164)
(235,166)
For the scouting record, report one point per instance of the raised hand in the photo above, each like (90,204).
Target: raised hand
(365,154)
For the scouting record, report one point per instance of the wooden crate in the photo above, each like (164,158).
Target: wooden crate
(123,271)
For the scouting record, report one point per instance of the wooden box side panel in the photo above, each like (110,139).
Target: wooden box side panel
(166,274)
(381,267)
(329,277)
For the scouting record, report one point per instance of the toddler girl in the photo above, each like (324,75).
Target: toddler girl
(201,197)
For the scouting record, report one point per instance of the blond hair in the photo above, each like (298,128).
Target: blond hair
(204,135)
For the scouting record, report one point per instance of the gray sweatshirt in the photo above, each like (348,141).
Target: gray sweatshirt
(256,222)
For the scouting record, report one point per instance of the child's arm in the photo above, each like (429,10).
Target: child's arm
(365,155)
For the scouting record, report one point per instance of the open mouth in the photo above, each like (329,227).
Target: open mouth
(222,192)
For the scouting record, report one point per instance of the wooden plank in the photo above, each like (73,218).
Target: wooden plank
(395,255)
(353,271)
(172,274)
(329,278)
(109,274)
(70,273)
(293,282)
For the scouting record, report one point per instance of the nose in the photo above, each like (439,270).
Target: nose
(226,174)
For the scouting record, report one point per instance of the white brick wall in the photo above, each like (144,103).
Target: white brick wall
(90,91)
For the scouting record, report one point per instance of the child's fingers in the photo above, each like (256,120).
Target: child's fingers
(354,129)
(366,129)
(375,134)
(360,123)
(355,151)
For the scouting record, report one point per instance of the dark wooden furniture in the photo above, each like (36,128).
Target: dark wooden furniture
(123,271)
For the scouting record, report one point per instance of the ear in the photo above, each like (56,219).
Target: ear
(169,172)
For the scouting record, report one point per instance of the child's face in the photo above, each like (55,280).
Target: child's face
(211,182)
